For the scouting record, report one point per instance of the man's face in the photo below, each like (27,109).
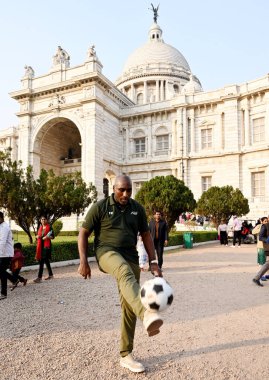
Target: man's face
(157,216)
(122,191)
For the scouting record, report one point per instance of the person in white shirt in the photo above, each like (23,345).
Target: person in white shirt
(223,233)
(237,228)
(6,253)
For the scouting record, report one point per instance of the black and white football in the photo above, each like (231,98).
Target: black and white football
(156,294)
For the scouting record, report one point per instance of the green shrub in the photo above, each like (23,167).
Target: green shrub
(57,226)
(61,251)
(176,238)
(68,233)
(68,250)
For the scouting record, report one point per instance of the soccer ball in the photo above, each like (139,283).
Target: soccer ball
(156,294)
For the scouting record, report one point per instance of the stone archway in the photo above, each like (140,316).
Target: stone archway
(58,146)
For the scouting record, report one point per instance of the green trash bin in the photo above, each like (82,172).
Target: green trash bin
(188,240)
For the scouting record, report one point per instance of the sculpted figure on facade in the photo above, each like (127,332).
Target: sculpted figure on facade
(91,51)
(89,92)
(29,72)
(57,100)
(61,57)
(79,113)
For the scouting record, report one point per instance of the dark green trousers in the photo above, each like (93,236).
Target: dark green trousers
(127,275)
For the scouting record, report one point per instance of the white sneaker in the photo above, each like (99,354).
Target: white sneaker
(233,246)
(239,246)
(152,322)
(131,364)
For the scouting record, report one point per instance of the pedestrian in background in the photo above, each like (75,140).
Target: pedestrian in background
(43,249)
(6,253)
(142,253)
(237,228)
(261,258)
(159,233)
(223,233)
(264,238)
(17,263)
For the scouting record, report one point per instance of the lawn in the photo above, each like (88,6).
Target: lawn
(23,238)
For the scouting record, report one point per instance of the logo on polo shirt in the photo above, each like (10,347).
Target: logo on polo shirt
(134,212)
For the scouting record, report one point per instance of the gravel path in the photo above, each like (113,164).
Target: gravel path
(68,328)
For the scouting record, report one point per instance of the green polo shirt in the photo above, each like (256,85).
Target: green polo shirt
(116,229)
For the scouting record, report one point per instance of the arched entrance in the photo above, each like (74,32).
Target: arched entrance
(58,145)
(108,182)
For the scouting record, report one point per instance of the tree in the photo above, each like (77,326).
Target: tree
(167,194)
(26,199)
(221,203)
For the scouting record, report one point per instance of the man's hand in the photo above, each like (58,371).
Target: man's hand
(85,270)
(155,270)
(165,243)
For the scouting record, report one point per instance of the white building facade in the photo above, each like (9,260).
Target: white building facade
(155,120)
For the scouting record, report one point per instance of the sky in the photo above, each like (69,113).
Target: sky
(224,41)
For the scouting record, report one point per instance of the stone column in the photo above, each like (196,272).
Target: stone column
(174,138)
(184,131)
(266,99)
(157,91)
(149,133)
(145,93)
(161,90)
(247,127)
(179,132)
(133,93)
(218,130)
(192,131)
(127,142)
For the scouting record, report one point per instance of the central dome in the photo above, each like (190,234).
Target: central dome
(155,57)
(155,71)
(155,52)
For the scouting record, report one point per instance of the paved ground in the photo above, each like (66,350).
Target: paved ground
(68,328)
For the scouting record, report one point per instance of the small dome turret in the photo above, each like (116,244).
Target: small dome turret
(192,86)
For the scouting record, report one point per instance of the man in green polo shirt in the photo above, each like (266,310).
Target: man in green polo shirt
(116,222)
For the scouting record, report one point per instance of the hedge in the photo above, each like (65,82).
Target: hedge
(63,251)
(176,238)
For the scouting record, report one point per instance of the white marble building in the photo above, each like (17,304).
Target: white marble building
(155,120)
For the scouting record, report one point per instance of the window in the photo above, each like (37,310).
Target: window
(258,184)
(140,99)
(105,187)
(258,130)
(140,145)
(136,187)
(176,89)
(206,183)
(162,142)
(206,138)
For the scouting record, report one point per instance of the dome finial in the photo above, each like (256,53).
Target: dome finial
(155,12)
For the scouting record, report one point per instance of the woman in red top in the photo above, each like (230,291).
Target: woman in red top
(43,248)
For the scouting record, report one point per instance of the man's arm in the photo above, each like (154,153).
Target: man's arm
(148,243)
(166,234)
(84,268)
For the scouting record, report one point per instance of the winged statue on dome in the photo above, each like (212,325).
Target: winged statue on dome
(155,12)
